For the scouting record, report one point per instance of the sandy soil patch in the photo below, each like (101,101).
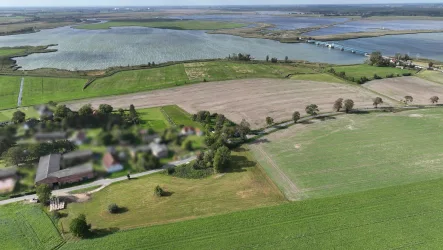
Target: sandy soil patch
(250,99)
(397,88)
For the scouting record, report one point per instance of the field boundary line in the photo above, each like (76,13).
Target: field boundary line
(171,122)
(293,189)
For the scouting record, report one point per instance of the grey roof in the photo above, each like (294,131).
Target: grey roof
(47,165)
(80,169)
(77,154)
(157,148)
(51,136)
(7,172)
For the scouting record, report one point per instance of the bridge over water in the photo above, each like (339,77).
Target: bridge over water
(340,47)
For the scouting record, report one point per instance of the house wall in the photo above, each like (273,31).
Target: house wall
(114,168)
(76,178)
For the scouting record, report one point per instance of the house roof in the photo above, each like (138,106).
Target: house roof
(77,154)
(51,136)
(157,148)
(109,160)
(8,172)
(48,164)
(80,169)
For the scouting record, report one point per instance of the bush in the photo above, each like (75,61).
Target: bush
(407,74)
(113,208)
(79,227)
(390,76)
(377,76)
(188,171)
(158,191)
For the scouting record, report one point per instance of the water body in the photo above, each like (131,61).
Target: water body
(280,22)
(427,45)
(99,49)
(371,25)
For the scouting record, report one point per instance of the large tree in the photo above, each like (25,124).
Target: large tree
(61,111)
(18,117)
(349,104)
(377,101)
(376,59)
(408,99)
(79,227)
(85,110)
(244,128)
(269,121)
(434,99)
(312,109)
(296,116)
(221,159)
(15,155)
(43,192)
(338,104)
(105,108)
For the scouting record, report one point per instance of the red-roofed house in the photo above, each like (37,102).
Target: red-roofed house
(111,164)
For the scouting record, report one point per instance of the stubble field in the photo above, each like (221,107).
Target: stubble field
(250,99)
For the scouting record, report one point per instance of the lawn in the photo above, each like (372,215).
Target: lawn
(27,227)
(175,25)
(400,217)
(434,76)
(244,187)
(153,118)
(361,70)
(318,77)
(353,153)
(6,115)
(179,116)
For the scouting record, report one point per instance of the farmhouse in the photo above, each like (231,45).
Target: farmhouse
(187,130)
(49,172)
(8,179)
(111,164)
(53,136)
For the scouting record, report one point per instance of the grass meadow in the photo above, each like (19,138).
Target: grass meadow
(353,153)
(27,227)
(433,76)
(175,25)
(407,216)
(10,51)
(244,187)
(323,77)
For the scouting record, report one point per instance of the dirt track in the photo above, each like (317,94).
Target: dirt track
(251,99)
(397,88)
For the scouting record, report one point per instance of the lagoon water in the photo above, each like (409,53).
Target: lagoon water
(99,49)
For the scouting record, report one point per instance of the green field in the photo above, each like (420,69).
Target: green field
(318,77)
(6,115)
(179,116)
(175,25)
(10,51)
(358,71)
(244,187)
(38,90)
(403,217)
(434,76)
(27,227)
(153,118)
(354,153)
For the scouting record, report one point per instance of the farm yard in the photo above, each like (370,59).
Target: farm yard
(352,153)
(397,88)
(406,216)
(251,99)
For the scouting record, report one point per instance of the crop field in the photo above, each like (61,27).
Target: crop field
(39,90)
(175,25)
(250,99)
(179,116)
(397,88)
(153,118)
(433,76)
(246,186)
(406,216)
(27,227)
(353,153)
(358,71)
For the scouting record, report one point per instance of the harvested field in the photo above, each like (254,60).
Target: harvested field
(397,88)
(251,99)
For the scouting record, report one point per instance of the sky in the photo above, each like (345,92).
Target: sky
(16,3)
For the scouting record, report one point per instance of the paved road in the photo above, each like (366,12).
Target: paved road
(20,94)
(102,182)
